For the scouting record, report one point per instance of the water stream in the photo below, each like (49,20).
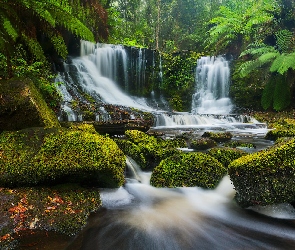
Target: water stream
(139,216)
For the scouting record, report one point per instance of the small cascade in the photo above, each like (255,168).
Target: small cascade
(212,86)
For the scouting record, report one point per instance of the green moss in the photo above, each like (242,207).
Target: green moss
(203,143)
(188,170)
(266,177)
(218,136)
(235,144)
(49,156)
(226,155)
(22,106)
(147,150)
(277,133)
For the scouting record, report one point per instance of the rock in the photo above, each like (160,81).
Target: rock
(266,177)
(22,106)
(38,156)
(188,170)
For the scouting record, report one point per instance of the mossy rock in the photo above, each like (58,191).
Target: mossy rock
(235,144)
(266,177)
(49,156)
(226,155)
(277,133)
(188,170)
(22,106)
(63,209)
(218,136)
(147,150)
(202,143)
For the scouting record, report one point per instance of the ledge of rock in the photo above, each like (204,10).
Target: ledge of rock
(22,106)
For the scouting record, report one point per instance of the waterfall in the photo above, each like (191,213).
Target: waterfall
(212,86)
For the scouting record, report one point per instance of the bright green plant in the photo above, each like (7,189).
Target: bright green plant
(44,16)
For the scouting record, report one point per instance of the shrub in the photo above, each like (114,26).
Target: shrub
(50,156)
(188,170)
(266,177)
(203,143)
(226,155)
(218,137)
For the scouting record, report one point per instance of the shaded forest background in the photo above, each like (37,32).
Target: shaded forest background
(257,35)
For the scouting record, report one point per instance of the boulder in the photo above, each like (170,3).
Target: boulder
(22,106)
(47,156)
(266,177)
(188,170)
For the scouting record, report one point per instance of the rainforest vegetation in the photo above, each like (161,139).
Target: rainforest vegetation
(258,35)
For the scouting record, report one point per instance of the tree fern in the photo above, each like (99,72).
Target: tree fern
(282,94)
(283,63)
(267,94)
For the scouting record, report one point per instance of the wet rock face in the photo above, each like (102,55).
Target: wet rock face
(21,106)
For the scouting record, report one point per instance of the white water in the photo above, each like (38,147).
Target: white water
(96,72)
(212,86)
(139,216)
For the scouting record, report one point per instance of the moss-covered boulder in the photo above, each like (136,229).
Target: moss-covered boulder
(49,156)
(218,136)
(241,144)
(148,150)
(188,170)
(226,155)
(278,133)
(202,143)
(22,106)
(266,177)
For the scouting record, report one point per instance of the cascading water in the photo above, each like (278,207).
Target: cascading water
(139,216)
(212,86)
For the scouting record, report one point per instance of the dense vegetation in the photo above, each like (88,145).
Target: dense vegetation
(258,34)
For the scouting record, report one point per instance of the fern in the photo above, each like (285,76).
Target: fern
(34,47)
(283,63)
(283,40)
(282,94)
(267,94)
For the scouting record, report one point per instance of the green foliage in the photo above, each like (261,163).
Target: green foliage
(276,93)
(246,20)
(44,17)
(179,79)
(226,155)
(267,94)
(283,40)
(266,177)
(50,156)
(188,170)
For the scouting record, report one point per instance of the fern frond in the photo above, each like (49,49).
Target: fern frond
(247,67)
(268,57)
(10,30)
(257,49)
(283,40)
(283,62)
(59,45)
(34,47)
